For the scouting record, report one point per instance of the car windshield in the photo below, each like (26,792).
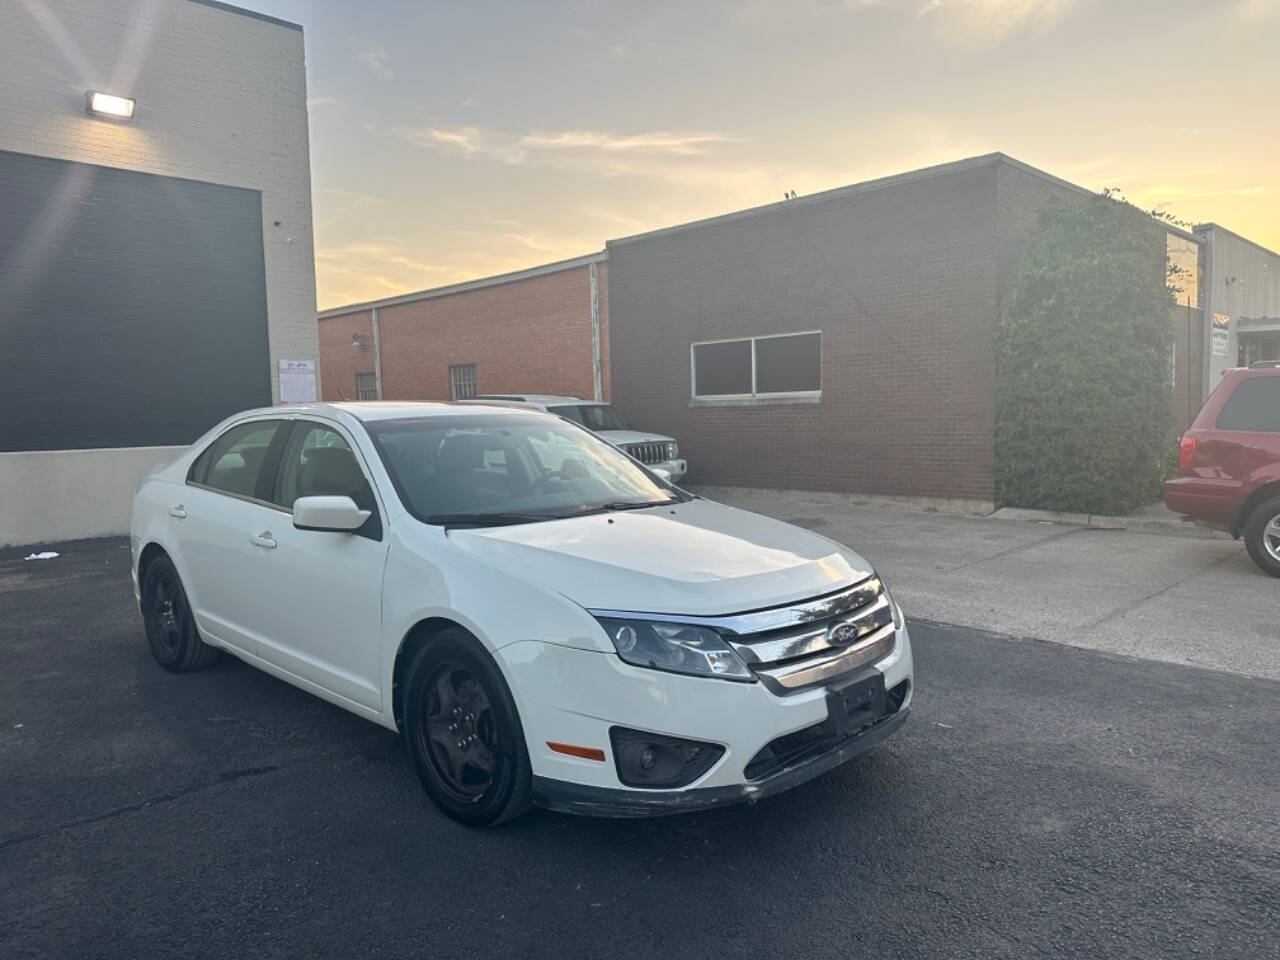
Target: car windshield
(593,416)
(509,469)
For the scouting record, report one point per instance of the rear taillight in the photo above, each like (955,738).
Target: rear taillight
(1186,452)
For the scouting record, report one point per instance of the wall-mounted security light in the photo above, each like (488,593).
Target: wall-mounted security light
(357,342)
(108,105)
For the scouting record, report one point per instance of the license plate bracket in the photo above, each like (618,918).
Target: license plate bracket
(855,704)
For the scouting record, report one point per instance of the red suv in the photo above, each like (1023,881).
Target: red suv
(1229,462)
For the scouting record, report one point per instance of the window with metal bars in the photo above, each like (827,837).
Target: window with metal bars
(366,386)
(462,381)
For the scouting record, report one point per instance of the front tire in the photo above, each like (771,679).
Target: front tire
(1262,535)
(464,733)
(171,629)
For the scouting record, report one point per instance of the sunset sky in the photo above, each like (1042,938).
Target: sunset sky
(452,140)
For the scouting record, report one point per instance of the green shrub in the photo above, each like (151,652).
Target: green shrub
(1083,418)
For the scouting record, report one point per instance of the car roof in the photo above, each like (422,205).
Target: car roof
(543,398)
(367,411)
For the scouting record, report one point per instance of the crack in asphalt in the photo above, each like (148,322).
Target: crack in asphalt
(231,776)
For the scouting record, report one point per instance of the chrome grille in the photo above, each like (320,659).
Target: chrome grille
(796,647)
(648,452)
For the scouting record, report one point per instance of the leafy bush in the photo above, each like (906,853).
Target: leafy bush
(1083,417)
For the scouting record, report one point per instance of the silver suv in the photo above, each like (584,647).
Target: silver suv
(660,454)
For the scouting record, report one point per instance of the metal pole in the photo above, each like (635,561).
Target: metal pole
(377,354)
(596,384)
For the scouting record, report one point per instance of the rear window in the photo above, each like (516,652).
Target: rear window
(233,462)
(1255,406)
(593,416)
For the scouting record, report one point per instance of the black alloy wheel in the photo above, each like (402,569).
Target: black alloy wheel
(461,727)
(171,630)
(462,734)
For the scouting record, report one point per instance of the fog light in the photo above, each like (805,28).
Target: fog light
(653,760)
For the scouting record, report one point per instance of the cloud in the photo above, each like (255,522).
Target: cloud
(655,153)
(381,252)
(1252,11)
(993,19)
(373,57)
(686,144)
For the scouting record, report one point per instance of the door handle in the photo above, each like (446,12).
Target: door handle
(263,540)
(178,512)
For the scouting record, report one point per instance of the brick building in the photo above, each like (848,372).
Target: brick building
(842,341)
(543,330)
(156,258)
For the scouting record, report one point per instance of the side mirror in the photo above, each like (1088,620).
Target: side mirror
(339,514)
(662,472)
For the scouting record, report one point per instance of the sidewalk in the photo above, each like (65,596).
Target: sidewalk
(1189,599)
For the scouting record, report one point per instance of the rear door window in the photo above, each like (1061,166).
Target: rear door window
(1255,406)
(234,462)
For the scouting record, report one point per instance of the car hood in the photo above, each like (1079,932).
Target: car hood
(696,558)
(619,437)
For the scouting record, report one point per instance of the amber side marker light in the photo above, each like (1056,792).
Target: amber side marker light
(586,753)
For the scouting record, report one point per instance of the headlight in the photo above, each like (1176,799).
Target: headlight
(672,451)
(676,647)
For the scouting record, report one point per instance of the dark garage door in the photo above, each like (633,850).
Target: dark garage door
(132,307)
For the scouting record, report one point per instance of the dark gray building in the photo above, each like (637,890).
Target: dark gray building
(844,341)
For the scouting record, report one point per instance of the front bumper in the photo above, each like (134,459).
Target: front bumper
(590,801)
(569,695)
(675,469)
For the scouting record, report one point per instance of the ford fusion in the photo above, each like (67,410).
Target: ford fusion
(542,619)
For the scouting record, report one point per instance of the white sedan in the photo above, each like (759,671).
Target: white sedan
(543,619)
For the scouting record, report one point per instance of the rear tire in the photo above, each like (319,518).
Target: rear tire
(1262,535)
(464,733)
(171,629)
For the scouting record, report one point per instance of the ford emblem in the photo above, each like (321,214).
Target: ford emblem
(842,634)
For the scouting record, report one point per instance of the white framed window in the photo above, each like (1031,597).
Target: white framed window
(462,381)
(779,365)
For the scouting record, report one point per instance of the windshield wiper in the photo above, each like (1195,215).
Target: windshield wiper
(630,505)
(488,519)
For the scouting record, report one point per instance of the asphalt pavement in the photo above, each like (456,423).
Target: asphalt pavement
(1042,801)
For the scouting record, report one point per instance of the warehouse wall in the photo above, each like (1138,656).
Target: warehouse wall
(901,278)
(221,97)
(221,112)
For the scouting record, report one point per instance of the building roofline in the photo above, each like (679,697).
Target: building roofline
(1253,243)
(252,14)
(466,285)
(865,186)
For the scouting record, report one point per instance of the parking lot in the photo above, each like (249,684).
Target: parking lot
(1043,800)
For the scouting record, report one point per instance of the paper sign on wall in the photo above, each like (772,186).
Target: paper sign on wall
(297,381)
(1221,334)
